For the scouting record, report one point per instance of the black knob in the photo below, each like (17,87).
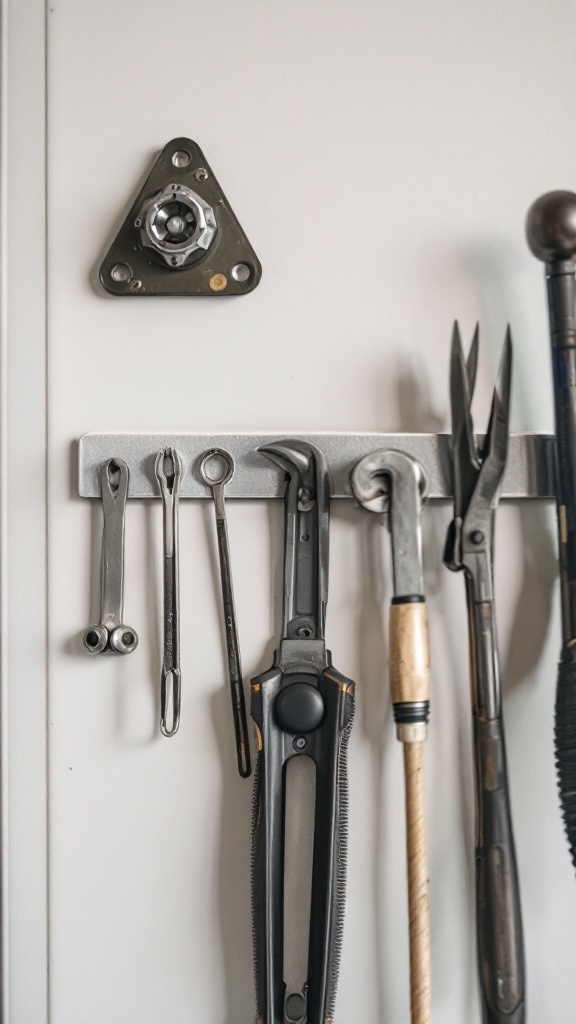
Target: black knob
(299,708)
(551,227)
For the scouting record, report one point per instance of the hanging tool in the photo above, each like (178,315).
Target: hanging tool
(110,634)
(301,706)
(168,471)
(217,483)
(551,231)
(395,482)
(469,546)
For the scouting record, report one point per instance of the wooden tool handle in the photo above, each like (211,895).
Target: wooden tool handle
(409,665)
(418,903)
(409,658)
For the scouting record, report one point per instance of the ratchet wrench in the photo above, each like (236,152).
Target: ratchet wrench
(110,633)
(217,484)
(169,474)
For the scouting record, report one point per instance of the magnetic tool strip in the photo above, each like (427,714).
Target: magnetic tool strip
(529,471)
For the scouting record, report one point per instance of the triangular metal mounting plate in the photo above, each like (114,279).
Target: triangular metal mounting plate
(209,247)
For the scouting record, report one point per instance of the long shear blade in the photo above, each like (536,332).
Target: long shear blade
(496,444)
(465,459)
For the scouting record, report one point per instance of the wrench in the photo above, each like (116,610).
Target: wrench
(110,633)
(217,484)
(395,482)
(169,474)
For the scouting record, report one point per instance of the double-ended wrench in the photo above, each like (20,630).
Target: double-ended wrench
(110,633)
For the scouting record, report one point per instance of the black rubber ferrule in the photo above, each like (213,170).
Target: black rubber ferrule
(409,599)
(415,711)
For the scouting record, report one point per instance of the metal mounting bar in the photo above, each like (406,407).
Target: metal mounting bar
(529,472)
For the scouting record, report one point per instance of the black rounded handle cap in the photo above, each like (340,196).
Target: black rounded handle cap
(551,227)
(299,708)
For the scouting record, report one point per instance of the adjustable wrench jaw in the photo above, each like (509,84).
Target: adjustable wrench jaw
(307,519)
(301,706)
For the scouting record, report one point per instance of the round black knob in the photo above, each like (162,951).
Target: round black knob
(551,226)
(299,708)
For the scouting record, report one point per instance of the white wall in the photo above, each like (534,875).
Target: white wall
(381,158)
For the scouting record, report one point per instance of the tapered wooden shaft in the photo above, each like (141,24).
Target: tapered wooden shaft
(409,665)
(418,902)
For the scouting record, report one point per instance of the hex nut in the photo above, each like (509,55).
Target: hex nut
(177,255)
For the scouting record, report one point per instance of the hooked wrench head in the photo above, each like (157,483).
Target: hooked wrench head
(391,480)
(307,505)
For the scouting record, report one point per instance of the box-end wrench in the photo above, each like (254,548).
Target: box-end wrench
(169,474)
(222,465)
(110,633)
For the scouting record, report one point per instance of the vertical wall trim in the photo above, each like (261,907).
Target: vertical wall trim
(23,523)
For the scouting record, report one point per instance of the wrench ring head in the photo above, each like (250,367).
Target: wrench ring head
(95,639)
(123,639)
(227,473)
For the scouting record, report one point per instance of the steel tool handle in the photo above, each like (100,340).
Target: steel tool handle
(551,231)
(499,923)
(233,654)
(328,748)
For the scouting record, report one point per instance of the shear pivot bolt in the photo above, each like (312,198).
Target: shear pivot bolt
(477,537)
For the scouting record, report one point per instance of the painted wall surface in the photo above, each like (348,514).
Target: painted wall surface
(381,158)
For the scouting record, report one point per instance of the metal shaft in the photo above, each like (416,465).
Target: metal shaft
(169,473)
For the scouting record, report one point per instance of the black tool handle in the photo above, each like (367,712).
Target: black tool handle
(551,232)
(499,922)
(498,915)
(327,745)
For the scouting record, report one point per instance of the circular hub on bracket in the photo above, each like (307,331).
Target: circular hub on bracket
(176,226)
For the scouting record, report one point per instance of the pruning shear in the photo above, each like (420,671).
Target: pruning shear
(301,707)
(478,470)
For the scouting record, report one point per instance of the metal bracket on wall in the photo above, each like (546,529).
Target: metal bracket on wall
(529,471)
(180,236)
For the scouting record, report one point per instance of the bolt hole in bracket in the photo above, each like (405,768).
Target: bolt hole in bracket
(529,470)
(181,236)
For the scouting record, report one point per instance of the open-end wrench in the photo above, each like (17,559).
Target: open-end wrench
(110,633)
(391,480)
(169,474)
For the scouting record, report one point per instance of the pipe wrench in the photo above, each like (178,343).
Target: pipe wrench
(301,707)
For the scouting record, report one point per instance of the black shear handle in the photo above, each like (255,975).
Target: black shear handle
(499,922)
(328,748)
(498,915)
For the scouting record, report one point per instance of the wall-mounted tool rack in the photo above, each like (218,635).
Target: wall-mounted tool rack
(529,471)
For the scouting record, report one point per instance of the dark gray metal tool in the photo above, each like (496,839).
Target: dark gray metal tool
(217,480)
(110,634)
(392,481)
(469,547)
(551,231)
(168,470)
(180,236)
(301,706)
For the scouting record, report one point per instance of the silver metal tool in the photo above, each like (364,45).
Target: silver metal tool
(218,457)
(110,633)
(395,482)
(168,470)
